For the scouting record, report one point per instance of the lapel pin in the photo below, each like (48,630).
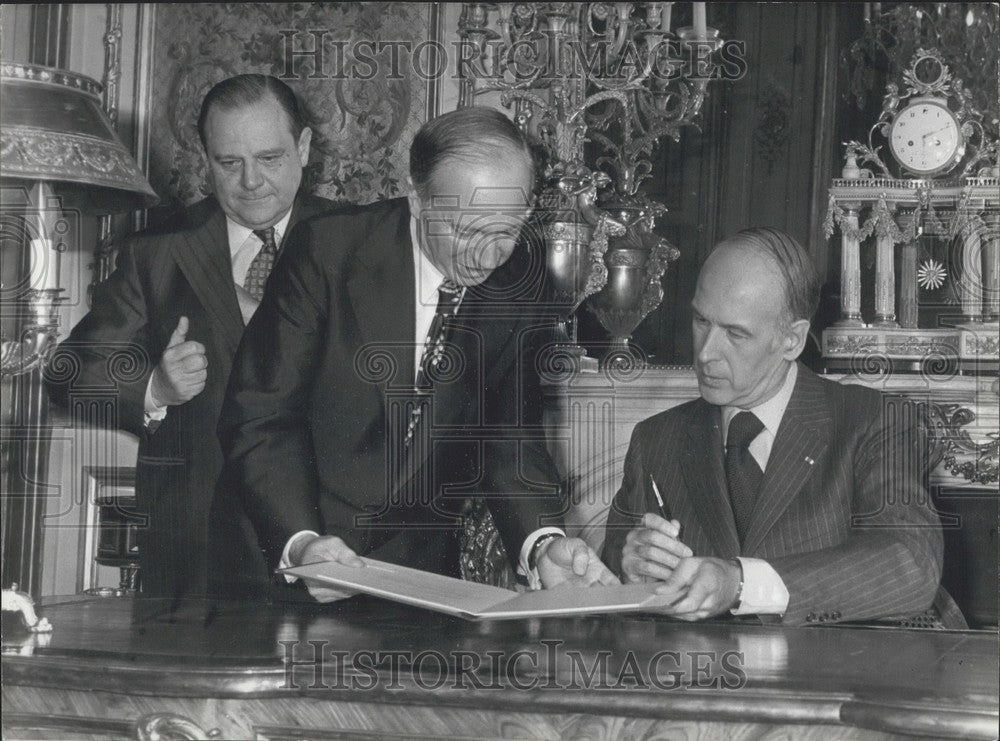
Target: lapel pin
(809,460)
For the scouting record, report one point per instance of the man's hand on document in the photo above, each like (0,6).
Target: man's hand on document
(571,562)
(314,548)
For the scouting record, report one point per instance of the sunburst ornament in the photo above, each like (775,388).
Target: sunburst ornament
(931,275)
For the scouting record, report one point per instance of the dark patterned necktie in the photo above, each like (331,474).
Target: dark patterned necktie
(482,557)
(743,475)
(449,297)
(262,264)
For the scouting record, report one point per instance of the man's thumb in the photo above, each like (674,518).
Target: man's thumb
(180,333)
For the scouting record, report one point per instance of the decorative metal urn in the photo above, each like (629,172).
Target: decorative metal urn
(576,237)
(635,261)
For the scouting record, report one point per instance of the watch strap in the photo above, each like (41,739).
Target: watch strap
(738,602)
(533,553)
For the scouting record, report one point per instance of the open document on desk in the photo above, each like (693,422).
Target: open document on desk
(475,601)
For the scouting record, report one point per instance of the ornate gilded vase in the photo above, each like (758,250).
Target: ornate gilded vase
(576,238)
(635,261)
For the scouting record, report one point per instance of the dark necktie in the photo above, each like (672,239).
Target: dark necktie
(262,264)
(449,297)
(482,557)
(743,475)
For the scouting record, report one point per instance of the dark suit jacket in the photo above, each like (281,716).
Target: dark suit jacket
(316,410)
(102,370)
(843,515)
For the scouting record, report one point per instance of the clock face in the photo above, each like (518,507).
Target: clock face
(926,138)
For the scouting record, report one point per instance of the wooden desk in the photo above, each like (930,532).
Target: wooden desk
(112,663)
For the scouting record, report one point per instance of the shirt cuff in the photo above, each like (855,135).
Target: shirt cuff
(153,412)
(285,561)
(534,581)
(764,592)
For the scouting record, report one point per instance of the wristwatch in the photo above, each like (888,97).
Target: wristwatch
(533,553)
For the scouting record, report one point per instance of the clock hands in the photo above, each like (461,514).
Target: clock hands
(931,133)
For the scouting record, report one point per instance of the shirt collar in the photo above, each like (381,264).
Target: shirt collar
(429,278)
(238,234)
(771,411)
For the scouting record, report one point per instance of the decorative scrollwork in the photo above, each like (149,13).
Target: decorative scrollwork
(622,109)
(939,85)
(64,156)
(63,366)
(375,363)
(854,344)
(557,362)
(937,366)
(624,363)
(172,727)
(926,346)
(960,455)
(870,364)
(661,253)
(128,364)
(867,155)
(598,277)
(17,358)
(981,345)
(446,365)
(37,339)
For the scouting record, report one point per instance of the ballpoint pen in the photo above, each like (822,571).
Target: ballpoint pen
(664,512)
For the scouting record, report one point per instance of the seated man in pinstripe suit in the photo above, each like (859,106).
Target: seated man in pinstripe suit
(798,497)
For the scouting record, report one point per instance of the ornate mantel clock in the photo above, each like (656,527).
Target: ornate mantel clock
(926,137)
(944,186)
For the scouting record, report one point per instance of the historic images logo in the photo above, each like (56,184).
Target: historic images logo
(317,665)
(315,56)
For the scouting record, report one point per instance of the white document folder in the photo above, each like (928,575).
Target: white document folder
(475,601)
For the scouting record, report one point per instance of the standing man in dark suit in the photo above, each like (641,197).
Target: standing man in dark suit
(390,375)
(176,305)
(798,496)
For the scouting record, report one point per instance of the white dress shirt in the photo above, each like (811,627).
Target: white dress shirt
(764,591)
(243,248)
(244,245)
(428,279)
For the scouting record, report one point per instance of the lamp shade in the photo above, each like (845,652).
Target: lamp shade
(53,129)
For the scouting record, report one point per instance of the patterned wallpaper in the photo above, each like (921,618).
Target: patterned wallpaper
(361,127)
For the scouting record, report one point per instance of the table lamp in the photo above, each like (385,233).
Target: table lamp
(59,154)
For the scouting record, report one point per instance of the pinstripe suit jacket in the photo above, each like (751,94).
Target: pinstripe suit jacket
(843,514)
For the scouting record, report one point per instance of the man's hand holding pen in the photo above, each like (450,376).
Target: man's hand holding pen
(653,550)
(698,587)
